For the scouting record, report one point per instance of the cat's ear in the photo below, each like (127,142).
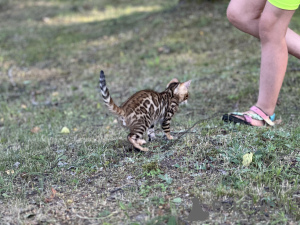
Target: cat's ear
(174,80)
(187,84)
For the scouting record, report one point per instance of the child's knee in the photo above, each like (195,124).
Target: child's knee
(267,32)
(237,15)
(240,15)
(233,14)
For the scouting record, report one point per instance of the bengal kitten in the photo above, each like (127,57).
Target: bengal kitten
(145,108)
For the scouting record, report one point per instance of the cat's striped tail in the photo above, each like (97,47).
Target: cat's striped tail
(106,96)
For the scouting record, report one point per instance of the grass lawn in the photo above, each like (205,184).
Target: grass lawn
(51,53)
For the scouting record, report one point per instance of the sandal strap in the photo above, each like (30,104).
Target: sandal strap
(251,115)
(272,118)
(249,118)
(263,115)
(257,114)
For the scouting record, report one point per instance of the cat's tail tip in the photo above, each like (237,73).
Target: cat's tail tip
(102,74)
(102,81)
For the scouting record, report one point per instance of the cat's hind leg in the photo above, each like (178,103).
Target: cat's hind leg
(151,133)
(135,138)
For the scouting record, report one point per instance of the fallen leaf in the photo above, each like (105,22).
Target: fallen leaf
(46,20)
(47,200)
(104,213)
(50,199)
(247,159)
(177,200)
(35,130)
(10,172)
(65,130)
(122,206)
(55,93)
(5,195)
(17,164)
(277,122)
(163,49)
(61,164)
(23,106)
(24,175)
(160,212)
(53,192)
(75,129)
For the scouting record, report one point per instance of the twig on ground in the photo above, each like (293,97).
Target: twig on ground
(95,218)
(27,210)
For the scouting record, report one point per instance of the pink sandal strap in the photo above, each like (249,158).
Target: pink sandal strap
(248,118)
(264,116)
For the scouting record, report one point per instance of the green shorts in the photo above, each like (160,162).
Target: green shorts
(286,4)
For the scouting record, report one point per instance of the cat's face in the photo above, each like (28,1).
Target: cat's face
(182,90)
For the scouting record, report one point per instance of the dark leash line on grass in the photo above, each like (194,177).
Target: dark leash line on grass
(181,134)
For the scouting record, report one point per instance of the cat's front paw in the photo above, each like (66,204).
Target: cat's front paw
(169,136)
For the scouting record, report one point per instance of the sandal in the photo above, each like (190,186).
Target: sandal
(256,114)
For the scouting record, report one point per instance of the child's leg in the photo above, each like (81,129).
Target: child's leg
(273,26)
